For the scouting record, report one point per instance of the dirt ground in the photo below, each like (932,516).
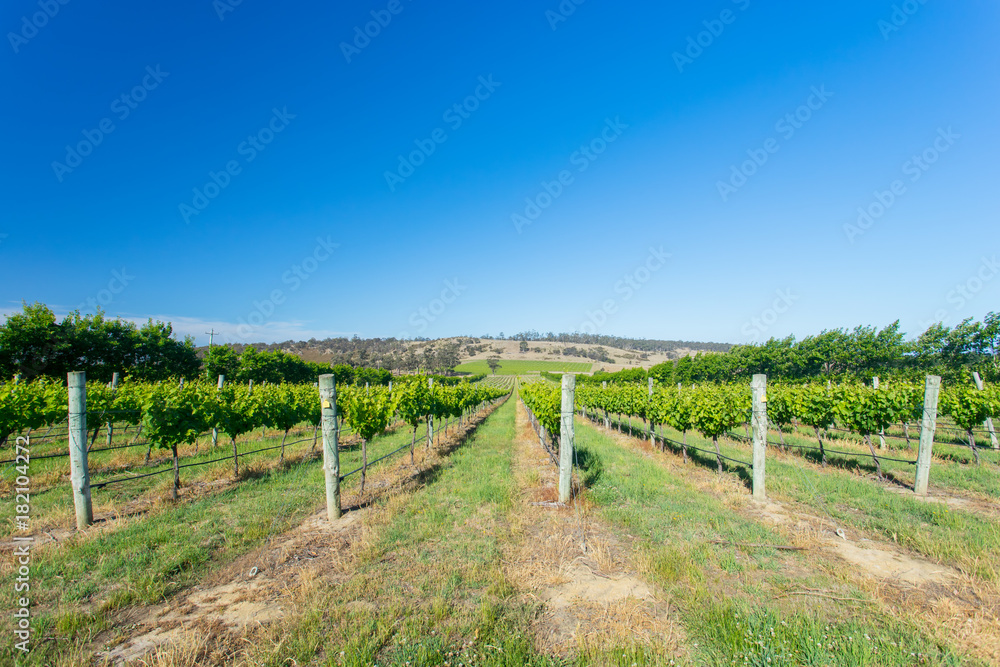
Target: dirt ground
(567,558)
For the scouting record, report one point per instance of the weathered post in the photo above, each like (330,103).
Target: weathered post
(566,437)
(215,429)
(931,388)
(759,387)
(331,448)
(78,471)
(607,420)
(430,418)
(111,419)
(989,420)
(881,433)
(649,420)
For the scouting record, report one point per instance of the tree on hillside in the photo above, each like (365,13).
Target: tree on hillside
(493,363)
(447,357)
(429,358)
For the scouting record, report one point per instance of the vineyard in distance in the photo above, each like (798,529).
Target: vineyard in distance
(546,511)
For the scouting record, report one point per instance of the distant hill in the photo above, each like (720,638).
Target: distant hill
(622,343)
(604,352)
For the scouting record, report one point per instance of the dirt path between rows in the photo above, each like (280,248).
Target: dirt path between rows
(945,599)
(210,622)
(571,561)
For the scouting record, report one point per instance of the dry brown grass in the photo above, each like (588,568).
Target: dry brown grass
(567,558)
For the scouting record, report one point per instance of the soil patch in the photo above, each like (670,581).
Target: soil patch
(577,567)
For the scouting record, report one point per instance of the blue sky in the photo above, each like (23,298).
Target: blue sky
(269,173)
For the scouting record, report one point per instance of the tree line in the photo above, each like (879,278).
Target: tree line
(861,353)
(633,344)
(388,353)
(34,343)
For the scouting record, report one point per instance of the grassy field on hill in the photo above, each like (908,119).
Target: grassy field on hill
(518,366)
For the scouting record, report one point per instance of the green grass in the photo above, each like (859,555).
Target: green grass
(52,497)
(433,577)
(77,588)
(426,584)
(728,598)
(519,366)
(845,492)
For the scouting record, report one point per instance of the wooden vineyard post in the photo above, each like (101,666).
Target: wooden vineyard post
(759,388)
(111,419)
(881,433)
(78,471)
(931,389)
(649,420)
(215,429)
(989,420)
(430,417)
(607,420)
(566,437)
(331,448)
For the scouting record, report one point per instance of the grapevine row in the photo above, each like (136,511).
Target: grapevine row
(716,409)
(172,414)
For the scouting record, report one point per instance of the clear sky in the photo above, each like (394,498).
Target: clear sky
(661,170)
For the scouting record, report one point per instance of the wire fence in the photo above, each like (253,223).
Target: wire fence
(230,457)
(537,427)
(683,446)
(823,450)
